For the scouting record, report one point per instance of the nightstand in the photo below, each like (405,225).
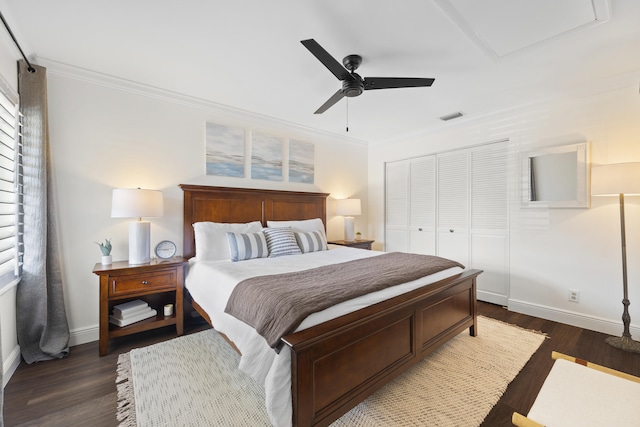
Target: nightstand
(158,283)
(360,244)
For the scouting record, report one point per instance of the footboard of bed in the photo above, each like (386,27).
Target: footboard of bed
(337,364)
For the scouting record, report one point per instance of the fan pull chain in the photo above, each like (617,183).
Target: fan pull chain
(347,114)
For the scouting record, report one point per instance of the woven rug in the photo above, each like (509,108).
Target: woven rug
(194,381)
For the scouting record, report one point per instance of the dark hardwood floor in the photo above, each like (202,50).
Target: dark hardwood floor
(80,389)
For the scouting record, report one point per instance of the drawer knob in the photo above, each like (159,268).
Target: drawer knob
(451,230)
(419,229)
(144,282)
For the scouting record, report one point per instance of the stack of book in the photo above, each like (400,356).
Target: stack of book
(131,312)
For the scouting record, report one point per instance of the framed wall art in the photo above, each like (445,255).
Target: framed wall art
(266,157)
(301,162)
(225,149)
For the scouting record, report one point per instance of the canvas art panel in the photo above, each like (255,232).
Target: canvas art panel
(225,150)
(266,157)
(301,162)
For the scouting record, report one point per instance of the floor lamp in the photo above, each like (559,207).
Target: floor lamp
(619,179)
(137,203)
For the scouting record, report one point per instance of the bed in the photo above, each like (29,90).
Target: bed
(334,364)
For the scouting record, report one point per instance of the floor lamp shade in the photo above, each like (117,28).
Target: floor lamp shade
(348,208)
(615,179)
(137,203)
(619,179)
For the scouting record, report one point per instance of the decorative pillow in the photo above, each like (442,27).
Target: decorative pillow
(302,226)
(211,238)
(311,241)
(281,241)
(247,246)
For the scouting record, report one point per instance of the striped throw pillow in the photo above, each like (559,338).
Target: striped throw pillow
(281,241)
(311,241)
(247,246)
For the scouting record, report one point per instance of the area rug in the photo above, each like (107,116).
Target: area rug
(194,381)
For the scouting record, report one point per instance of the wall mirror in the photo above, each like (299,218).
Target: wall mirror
(556,177)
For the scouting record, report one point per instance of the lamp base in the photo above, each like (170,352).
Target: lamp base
(139,242)
(624,343)
(349,229)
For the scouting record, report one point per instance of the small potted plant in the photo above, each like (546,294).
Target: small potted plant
(358,235)
(105,248)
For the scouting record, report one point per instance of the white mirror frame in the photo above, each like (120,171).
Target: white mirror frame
(582,198)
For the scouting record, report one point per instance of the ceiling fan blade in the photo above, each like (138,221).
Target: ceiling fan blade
(371,83)
(334,98)
(329,61)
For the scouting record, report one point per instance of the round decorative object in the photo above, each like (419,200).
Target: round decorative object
(165,249)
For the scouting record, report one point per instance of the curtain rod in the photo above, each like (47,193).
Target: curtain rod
(29,66)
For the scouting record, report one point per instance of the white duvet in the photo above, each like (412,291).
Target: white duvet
(210,283)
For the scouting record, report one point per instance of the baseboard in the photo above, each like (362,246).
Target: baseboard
(492,298)
(77,337)
(570,318)
(10,365)
(83,336)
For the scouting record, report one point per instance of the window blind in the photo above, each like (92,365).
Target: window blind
(11,212)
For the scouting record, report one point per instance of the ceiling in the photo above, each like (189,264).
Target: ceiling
(485,55)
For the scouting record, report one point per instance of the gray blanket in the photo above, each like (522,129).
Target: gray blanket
(275,305)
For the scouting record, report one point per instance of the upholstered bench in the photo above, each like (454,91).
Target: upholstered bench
(580,393)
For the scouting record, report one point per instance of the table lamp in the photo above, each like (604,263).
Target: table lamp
(619,179)
(137,203)
(348,208)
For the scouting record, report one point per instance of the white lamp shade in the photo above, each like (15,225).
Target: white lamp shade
(348,207)
(615,179)
(136,203)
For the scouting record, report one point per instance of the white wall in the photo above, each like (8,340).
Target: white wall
(108,134)
(552,250)
(10,350)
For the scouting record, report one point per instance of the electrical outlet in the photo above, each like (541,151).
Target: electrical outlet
(574,295)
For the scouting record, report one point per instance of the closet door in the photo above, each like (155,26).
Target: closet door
(453,206)
(490,222)
(422,206)
(397,199)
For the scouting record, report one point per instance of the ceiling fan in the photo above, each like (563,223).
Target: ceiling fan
(352,83)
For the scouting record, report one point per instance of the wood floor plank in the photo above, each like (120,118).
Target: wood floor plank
(80,390)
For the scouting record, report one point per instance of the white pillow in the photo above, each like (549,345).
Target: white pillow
(302,226)
(211,238)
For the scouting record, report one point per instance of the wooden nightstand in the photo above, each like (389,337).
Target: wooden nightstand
(360,244)
(158,283)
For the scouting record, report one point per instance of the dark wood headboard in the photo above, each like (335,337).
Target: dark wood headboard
(239,205)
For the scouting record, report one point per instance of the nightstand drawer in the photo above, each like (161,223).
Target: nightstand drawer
(122,285)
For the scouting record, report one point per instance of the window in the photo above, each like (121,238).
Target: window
(11,211)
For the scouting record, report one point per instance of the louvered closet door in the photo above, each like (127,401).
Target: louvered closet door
(422,206)
(490,221)
(396,216)
(453,206)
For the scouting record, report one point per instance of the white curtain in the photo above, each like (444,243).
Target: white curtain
(43,331)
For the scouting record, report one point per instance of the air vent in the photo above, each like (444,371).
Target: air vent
(452,116)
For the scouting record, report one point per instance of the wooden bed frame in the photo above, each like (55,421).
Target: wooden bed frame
(337,364)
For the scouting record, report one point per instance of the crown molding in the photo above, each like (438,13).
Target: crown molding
(627,80)
(61,69)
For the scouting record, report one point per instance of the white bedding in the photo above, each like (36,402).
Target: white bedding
(211,283)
